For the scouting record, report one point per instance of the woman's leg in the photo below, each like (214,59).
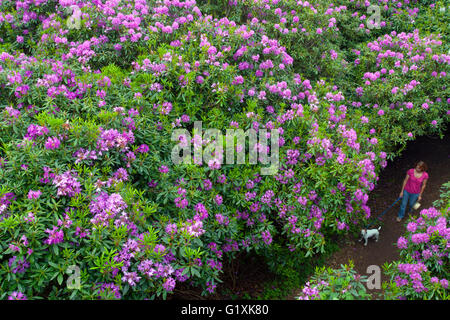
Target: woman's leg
(412,199)
(403,205)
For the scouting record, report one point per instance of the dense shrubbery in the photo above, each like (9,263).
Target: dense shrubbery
(401,80)
(335,284)
(87,122)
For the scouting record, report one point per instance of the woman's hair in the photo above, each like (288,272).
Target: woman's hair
(422,165)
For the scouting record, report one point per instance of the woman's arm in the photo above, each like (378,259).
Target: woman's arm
(404,184)
(423,188)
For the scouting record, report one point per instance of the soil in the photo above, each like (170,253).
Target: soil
(249,276)
(243,278)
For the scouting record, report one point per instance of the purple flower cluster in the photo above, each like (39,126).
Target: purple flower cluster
(147,268)
(169,284)
(18,265)
(106,207)
(425,248)
(200,212)
(193,228)
(109,289)
(131,278)
(311,292)
(221,219)
(210,287)
(181,201)
(34,131)
(83,154)
(67,184)
(54,236)
(267,237)
(5,201)
(34,194)
(110,139)
(47,176)
(17,295)
(52,143)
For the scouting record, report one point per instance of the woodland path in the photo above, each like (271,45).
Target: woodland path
(436,154)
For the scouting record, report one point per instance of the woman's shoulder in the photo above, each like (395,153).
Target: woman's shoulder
(425,175)
(410,171)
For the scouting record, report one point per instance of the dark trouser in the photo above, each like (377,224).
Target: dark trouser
(407,197)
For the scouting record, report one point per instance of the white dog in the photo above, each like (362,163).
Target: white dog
(366,234)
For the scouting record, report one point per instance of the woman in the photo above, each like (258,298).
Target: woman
(413,186)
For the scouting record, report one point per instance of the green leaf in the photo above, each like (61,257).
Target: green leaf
(60,279)
(195,272)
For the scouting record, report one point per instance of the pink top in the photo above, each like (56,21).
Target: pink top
(413,185)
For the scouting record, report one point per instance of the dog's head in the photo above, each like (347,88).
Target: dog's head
(363,232)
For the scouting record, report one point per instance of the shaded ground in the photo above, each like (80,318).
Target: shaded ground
(243,279)
(247,279)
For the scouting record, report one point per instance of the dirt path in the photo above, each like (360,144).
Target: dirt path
(436,153)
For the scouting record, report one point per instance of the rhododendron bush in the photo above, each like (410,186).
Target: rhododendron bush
(335,284)
(401,79)
(89,108)
(422,271)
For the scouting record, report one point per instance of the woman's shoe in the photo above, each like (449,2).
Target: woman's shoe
(399,219)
